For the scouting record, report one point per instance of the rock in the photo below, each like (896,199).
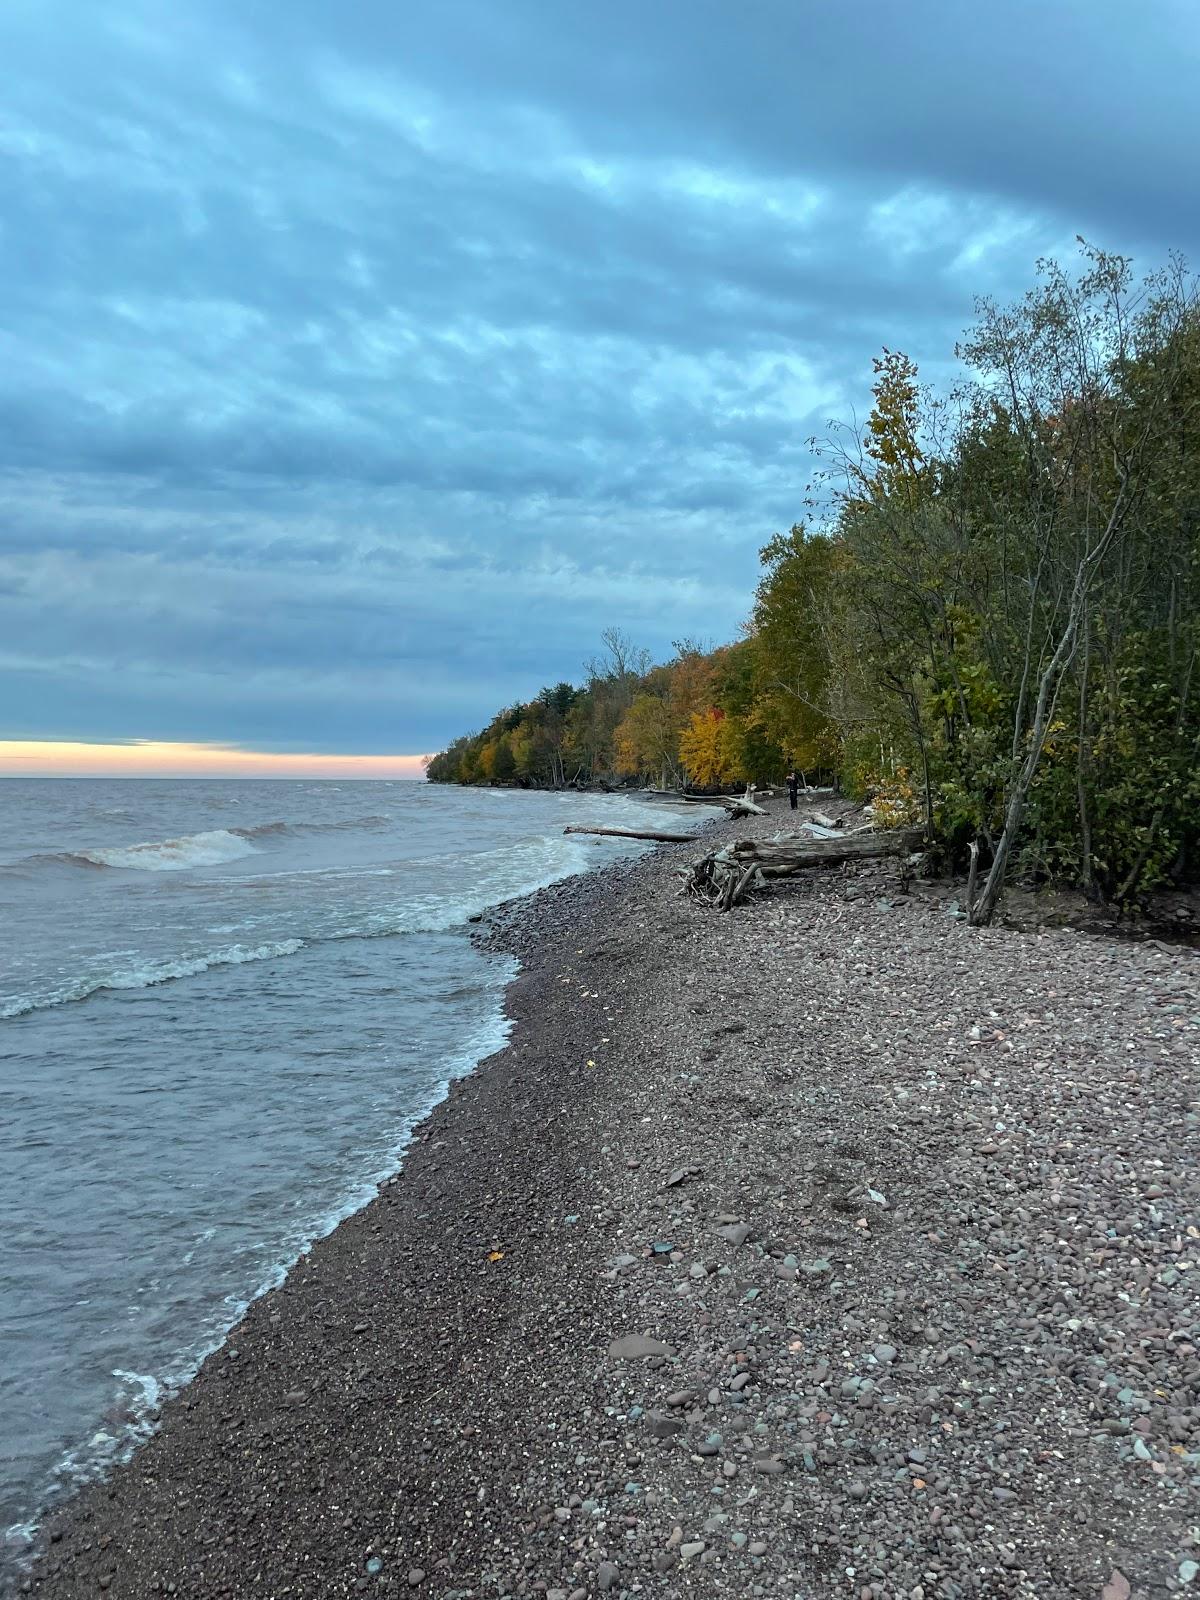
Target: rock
(663,1426)
(1189,1570)
(694,1548)
(768,1464)
(416,1575)
(1117,1587)
(758,1547)
(606,1577)
(637,1347)
(737,1234)
(681,1397)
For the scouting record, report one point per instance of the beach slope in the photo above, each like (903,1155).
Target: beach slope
(824,1248)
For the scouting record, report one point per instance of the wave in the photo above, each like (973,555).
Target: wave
(265,830)
(207,849)
(210,848)
(149,973)
(505,874)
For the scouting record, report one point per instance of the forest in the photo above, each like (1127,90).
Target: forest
(989,629)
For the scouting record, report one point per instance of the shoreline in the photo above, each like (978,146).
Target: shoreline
(431,1402)
(496,932)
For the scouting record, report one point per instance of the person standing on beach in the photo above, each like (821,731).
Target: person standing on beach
(793,788)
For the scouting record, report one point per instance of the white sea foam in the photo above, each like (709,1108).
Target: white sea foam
(173,855)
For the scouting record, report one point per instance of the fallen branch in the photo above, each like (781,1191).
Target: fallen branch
(726,876)
(640,833)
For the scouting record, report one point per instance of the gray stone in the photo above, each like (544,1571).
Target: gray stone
(606,1576)
(637,1347)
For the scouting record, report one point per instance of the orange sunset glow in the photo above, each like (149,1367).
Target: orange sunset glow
(149,758)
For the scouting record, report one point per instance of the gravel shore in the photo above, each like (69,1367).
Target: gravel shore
(824,1248)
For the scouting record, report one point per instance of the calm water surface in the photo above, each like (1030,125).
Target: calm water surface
(223,1005)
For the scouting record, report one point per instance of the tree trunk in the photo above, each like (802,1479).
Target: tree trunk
(1083,769)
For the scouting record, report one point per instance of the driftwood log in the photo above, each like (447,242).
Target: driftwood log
(726,876)
(640,833)
(737,805)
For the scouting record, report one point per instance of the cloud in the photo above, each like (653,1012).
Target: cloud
(358,368)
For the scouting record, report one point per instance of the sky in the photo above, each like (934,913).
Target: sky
(360,364)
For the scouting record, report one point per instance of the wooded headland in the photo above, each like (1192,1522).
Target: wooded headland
(992,633)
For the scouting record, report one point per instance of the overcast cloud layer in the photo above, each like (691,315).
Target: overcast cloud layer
(359,364)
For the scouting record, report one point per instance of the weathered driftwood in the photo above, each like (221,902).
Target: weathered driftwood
(737,805)
(725,876)
(640,833)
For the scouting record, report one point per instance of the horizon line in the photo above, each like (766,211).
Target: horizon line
(161,758)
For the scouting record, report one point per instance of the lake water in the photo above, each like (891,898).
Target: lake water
(223,1006)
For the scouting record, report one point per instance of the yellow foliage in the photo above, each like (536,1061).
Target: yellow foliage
(893,426)
(644,738)
(700,747)
(894,799)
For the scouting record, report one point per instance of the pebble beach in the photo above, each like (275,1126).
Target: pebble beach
(824,1248)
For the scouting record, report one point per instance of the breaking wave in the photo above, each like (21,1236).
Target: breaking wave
(169,855)
(148,973)
(209,849)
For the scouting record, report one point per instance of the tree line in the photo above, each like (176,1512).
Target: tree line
(992,631)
